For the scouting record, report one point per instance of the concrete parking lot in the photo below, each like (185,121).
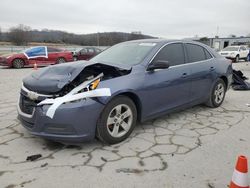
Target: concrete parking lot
(196,147)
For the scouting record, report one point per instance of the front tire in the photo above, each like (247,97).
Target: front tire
(117,120)
(18,63)
(237,58)
(217,95)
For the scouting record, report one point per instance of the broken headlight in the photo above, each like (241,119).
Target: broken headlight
(91,86)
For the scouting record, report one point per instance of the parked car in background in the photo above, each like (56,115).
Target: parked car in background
(235,53)
(41,55)
(86,53)
(129,82)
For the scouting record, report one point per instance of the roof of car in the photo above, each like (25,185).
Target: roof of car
(154,40)
(164,41)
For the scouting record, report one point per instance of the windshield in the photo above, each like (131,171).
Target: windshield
(125,53)
(231,48)
(39,51)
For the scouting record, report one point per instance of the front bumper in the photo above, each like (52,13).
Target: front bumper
(72,122)
(3,62)
(228,56)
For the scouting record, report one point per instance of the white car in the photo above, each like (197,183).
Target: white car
(235,53)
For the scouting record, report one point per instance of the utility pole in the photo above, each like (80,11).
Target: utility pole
(217,31)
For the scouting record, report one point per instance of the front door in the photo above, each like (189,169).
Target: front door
(167,88)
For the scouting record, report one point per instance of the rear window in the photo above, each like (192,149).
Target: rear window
(91,50)
(51,50)
(196,53)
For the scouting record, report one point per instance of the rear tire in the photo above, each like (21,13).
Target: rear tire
(117,120)
(60,60)
(217,95)
(18,63)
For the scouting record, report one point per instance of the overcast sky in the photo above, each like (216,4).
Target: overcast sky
(160,18)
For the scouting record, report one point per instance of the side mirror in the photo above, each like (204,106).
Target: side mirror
(160,64)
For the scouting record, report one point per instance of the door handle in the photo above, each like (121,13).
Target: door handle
(212,68)
(184,75)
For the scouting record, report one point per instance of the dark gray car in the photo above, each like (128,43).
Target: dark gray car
(129,82)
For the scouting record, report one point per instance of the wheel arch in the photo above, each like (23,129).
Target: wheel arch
(24,61)
(224,78)
(135,99)
(61,57)
(18,58)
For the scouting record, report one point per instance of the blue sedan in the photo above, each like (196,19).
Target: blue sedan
(129,82)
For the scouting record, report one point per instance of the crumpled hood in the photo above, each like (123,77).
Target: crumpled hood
(53,78)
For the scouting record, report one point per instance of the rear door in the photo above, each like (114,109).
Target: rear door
(203,70)
(167,88)
(53,55)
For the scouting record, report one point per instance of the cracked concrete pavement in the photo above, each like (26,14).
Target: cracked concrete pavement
(196,147)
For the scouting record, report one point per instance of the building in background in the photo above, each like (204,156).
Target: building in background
(220,43)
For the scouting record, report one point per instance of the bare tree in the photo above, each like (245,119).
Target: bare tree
(20,35)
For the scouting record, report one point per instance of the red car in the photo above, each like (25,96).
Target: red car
(87,53)
(40,55)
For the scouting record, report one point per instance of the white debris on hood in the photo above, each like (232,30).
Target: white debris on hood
(74,95)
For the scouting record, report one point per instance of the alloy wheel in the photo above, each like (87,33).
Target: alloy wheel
(219,93)
(120,120)
(18,63)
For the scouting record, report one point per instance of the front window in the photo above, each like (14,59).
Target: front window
(242,48)
(172,53)
(125,53)
(231,48)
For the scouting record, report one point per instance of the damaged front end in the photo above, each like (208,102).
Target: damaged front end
(85,90)
(61,99)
